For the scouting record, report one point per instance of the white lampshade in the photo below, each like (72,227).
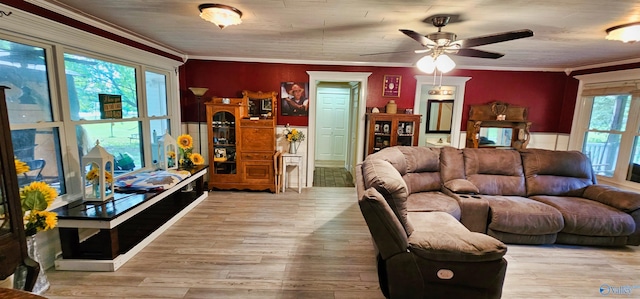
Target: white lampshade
(444,63)
(625,33)
(220,14)
(198,91)
(426,64)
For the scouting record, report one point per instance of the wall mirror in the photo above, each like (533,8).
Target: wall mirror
(439,115)
(260,104)
(495,137)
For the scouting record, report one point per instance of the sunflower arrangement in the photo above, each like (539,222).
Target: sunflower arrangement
(172,158)
(293,135)
(187,157)
(35,199)
(93,176)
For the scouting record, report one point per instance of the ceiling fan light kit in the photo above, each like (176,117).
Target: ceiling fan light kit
(429,64)
(220,14)
(625,33)
(438,44)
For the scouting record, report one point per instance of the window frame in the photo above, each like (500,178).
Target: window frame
(87,44)
(582,117)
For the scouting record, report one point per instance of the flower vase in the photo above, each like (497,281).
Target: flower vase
(292,148)
(42,283)
(96,190)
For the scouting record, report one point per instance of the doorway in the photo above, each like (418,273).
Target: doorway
(352,140)
(334,134)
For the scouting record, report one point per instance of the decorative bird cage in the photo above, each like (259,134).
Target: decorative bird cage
(97,179)
(168,152)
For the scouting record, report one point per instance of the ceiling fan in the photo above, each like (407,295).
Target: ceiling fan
(440,42)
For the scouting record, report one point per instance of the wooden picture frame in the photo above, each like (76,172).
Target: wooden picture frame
(391,86)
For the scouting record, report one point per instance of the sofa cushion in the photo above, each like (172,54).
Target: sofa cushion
(563,173)
(422,181)
(382,176)
(495,171)
(625,201)
(392,155)
(523,216)
(421,159)
(423,168)
(461,186)
(451,164)
(432,201)
(589,218)
(446,239)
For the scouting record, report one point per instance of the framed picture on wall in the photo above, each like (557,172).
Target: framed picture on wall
(391,86)
(294,103)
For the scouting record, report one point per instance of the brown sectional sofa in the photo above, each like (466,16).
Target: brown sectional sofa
(530,196)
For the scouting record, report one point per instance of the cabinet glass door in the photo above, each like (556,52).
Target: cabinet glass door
(382,133)
(405,133)
(5,225)
(224,143)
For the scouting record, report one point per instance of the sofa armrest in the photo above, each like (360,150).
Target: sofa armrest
(386,230)
(474,211)
(625,201)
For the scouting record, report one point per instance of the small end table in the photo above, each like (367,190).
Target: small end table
(293,160)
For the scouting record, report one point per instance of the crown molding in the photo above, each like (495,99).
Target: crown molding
(70,12)
(27,25)
(601,65)
(371,64)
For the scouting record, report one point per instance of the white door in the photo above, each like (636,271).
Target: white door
(332,123)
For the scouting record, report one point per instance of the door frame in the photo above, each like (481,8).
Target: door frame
(325,76)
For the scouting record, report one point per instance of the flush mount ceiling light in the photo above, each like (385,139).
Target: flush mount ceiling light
(220,14)
(625,33)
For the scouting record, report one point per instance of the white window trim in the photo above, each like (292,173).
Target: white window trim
(59,38)
(582,116)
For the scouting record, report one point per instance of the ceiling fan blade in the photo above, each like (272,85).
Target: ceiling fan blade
(496,38)
(478,53)
(381,53)
(418,37)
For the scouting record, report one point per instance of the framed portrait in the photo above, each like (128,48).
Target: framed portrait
(294,104)
(220,154)
(391,86)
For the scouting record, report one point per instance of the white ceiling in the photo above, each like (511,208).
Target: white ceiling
(568,34)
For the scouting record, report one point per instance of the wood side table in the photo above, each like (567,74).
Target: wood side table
(292,160)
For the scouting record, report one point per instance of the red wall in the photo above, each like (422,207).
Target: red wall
(550,96)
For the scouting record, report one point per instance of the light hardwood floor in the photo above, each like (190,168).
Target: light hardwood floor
(314,245)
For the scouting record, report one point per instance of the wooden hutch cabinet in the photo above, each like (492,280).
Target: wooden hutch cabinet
(384,130)
(498,124)
(242,141)
(13,246)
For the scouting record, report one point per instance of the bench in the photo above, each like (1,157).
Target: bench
(103,236)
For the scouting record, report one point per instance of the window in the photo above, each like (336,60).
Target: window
(87,79)
(608,120)
(608,133)
(34,133)
(57,120)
